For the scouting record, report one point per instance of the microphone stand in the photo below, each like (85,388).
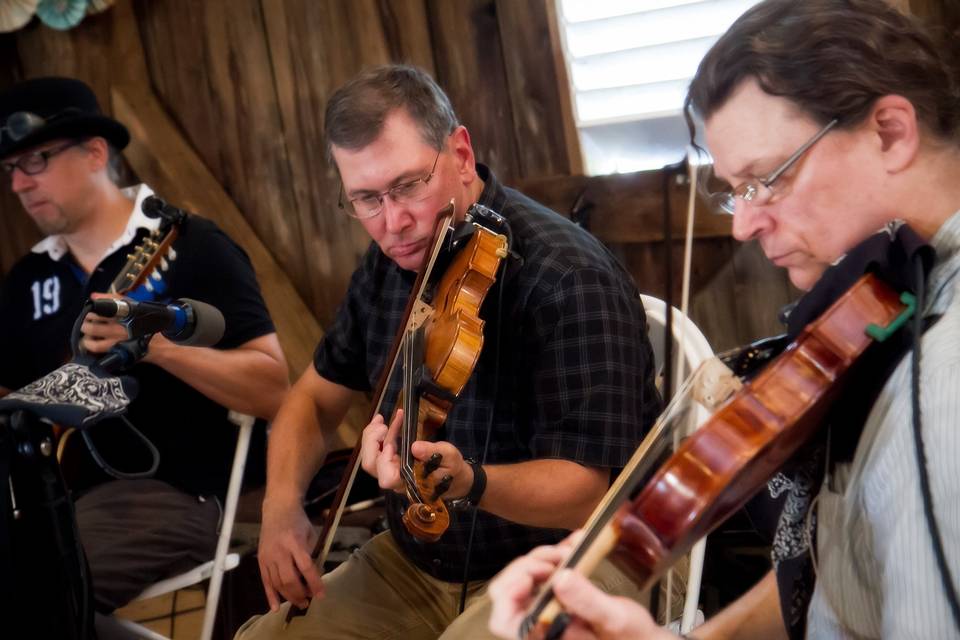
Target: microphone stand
(47,591)
(45,584)
(125,354)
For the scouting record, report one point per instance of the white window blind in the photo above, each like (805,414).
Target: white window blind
(629,64)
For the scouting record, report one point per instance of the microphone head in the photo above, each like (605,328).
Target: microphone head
(208,324)
(152,206)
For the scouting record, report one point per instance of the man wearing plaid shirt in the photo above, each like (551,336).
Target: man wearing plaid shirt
(563,389)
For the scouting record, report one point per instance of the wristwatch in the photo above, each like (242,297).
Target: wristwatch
(472,499)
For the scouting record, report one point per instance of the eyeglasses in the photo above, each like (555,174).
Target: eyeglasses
(36,162)
(21,124)
(371,204)
(750,191)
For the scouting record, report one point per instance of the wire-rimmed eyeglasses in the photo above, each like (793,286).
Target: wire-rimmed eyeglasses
(371,204)
(750,190)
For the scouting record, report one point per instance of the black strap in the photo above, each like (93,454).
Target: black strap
(946,578)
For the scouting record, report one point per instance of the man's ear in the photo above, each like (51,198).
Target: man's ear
(462,149)
(894,120)
(98,152)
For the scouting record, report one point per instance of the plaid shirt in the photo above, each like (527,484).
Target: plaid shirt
(574,379)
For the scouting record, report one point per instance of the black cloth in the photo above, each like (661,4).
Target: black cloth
(784,512)
(172,532)
(40,300)
(574,379)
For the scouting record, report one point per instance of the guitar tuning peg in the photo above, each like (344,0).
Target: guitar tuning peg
(148,285)
(156,275)
(171,253)
(164,265)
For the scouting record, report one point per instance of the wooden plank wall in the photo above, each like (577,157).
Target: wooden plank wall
(246,81)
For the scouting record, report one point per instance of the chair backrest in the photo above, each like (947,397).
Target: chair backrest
(695,347)
(691,345)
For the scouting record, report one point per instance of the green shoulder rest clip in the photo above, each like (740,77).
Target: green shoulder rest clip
(880,334)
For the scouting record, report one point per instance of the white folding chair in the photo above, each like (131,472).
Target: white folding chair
(223,560)
(690,345)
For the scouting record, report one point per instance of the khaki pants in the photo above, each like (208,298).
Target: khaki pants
(380,595)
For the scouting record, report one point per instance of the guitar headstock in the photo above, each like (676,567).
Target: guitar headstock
(155,252)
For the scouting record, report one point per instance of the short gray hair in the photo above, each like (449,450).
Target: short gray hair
(357,111)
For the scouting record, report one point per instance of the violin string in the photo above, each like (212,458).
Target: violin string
(411,406)
(409,421)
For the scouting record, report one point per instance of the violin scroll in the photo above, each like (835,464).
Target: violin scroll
(427,520)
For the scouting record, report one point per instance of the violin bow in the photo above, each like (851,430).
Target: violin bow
(699,549)
(415,313)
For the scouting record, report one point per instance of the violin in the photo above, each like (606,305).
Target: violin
(438,345)
(439,357)
(722,464)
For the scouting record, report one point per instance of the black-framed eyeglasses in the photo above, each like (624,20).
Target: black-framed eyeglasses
(759,191)
(36,161)
(370,205)
(21,124)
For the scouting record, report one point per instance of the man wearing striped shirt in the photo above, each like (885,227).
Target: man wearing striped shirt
(831,119)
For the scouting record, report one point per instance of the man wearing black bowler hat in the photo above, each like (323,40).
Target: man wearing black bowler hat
(57,150)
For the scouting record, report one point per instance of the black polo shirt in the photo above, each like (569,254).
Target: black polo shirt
(574,380)
(40,300)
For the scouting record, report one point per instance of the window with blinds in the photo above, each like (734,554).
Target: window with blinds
(629,64)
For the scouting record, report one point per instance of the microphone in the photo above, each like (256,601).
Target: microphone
(185,321)
(154,207)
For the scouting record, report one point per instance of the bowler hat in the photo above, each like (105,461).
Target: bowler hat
(45,109)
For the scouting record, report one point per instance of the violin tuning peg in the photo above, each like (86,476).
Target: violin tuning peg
(432,464)
(442,486)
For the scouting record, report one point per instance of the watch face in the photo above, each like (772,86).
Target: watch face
(459,504)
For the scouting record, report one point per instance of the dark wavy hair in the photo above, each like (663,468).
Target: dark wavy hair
(832,59)
(356,111)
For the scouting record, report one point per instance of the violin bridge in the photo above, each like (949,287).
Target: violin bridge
(713,383)
(419,315)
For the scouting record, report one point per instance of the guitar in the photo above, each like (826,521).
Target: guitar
(144,268)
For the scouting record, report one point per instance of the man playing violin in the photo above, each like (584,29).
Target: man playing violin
(831,119)
(60,154)
(563,389)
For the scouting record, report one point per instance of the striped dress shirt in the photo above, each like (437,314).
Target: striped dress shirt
(877,576)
